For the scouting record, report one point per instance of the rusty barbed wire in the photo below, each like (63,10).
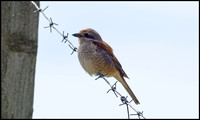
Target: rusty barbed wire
(51,25)
(65,39)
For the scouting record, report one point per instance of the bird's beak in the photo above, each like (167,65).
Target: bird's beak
(77,35)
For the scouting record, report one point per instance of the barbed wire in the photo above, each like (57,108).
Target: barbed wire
(51,25)
(65,39)
(123,98)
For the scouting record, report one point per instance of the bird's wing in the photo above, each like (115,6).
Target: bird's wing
(103,45)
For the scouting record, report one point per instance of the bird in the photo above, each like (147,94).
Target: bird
(96,56)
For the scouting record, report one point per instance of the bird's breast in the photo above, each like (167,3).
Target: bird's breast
(95,61)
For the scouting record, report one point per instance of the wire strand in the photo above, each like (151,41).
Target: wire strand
(51,25)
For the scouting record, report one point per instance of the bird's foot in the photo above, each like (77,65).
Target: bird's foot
(100,75)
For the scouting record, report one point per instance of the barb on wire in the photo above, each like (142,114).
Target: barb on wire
(40,10)
(125,102)
(73,49)
(64,37)
(113,88)
(51,25)
(123,99)
(138,114)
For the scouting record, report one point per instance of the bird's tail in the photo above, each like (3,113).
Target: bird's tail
(128,89)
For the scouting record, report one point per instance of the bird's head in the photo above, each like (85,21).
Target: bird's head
(87,34)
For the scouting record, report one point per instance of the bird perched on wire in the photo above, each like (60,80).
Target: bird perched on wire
(96,56)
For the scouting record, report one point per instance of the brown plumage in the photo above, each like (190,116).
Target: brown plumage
(96,56)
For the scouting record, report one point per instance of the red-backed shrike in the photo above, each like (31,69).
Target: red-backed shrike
(96,56)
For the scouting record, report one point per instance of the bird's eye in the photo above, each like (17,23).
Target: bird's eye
(88,36)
